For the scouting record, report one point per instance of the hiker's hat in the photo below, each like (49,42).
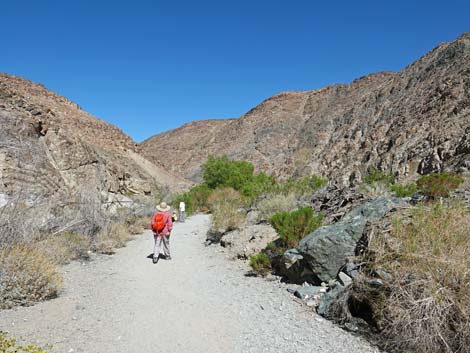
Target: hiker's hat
(163,207)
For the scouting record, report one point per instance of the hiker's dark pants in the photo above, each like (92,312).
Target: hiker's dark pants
(162,245)
(182,216)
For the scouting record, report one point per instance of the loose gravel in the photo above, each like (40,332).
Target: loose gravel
(198,302)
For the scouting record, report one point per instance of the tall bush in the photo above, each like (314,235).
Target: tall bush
(222,172)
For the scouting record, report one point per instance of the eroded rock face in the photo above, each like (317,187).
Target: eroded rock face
(52,153)
(411,122)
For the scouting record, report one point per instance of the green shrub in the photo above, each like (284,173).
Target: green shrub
(27,275)
(439,184)
(293,226)
(271,246)
(300,187)
(377,176)
(406,190)
(260,263)
(222,172)
(10,345)
(259,184)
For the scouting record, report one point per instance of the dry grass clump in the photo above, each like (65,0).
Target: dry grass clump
(66,247)
(225,205)
(111,237)
(138,225)
(27,275)
(427,308)
(275,203)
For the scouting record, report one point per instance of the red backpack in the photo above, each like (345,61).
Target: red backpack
(158,222)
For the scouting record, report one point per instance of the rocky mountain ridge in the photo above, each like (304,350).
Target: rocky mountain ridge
(410,122)
(54,154)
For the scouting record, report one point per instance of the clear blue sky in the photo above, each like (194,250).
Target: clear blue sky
(150,66)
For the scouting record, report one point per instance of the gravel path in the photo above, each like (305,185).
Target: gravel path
(197,302)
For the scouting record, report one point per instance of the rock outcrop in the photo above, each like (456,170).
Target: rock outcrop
(410,122)
(328,248)
(55,155)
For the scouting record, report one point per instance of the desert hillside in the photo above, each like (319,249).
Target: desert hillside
(410,122)
(54,154)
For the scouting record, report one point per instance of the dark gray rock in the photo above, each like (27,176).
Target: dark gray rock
(291,265)
(344,279)
(335,201)
(351,269)
(214,236)
(327,249)
(329,298)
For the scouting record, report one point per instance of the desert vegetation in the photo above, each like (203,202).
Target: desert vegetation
(293,226)
(30,254)
(425,304)
(231,188)
(432,185)
(10,345)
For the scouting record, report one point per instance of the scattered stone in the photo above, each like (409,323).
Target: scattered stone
(292,266)
(345,279)
(387,277)
(307,292)
(328,299)
(375,282)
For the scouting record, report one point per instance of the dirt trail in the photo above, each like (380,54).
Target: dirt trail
(197,302)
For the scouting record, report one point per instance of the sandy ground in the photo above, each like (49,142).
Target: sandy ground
(197,302)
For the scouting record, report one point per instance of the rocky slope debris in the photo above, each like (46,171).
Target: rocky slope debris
(411,122)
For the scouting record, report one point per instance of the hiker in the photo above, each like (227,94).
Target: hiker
(182,211)
(161,227)
(174,217)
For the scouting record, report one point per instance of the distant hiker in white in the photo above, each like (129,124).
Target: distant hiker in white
(162,227)
(182,211)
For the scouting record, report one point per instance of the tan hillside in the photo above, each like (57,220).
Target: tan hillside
(53,152)
(410,122)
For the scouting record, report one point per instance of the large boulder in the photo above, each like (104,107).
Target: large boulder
(327,249)
(247,241)
(291,265)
